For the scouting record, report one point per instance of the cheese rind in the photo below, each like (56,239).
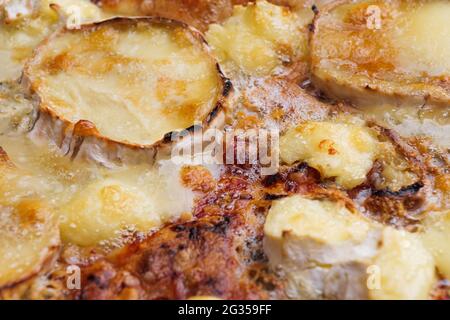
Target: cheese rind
(318,244)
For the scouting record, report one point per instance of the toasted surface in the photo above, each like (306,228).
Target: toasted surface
(160,72)
(376,49)
(198,13)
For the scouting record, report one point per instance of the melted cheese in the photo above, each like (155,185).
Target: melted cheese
(134,82)
(258,39)
(343,151)
(375,50)
(436,238)
(27,23)
(406,267)
(29,233)
(16,112)
(324,221)
(321,246)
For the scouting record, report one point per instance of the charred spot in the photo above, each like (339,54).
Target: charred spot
(97,281)
(311,27)
(258,255)
(194,127)
(272,197)
(315,9)
(403,192)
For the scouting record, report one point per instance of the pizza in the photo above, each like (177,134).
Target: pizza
(231,149)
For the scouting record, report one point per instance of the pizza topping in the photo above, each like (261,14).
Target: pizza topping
(260,39)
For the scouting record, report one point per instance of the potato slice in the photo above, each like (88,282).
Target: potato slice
(383,51)
(24,24)
(30,236)
(124,83)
